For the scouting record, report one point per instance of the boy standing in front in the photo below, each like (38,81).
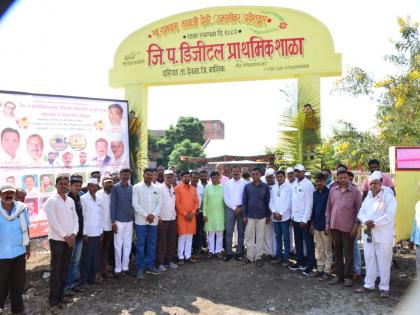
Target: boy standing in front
(323,242)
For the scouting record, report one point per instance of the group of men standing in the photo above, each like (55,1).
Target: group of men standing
(270,214)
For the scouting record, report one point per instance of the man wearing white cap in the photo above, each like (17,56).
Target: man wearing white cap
(92,233)
(270,243)
(302,201)
(377,214)
(290,173)
(166,237)
(104,199)
(374,166)
(14,249)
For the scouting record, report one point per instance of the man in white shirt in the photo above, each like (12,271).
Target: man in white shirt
(281,209)
(232,195)
(104,199)
(166,237)
(302,201)
(147,202)
(270,243)
(92,233)
(290,174)
(377,214)
(63,225)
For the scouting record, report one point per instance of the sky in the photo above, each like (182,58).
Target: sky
(67,47)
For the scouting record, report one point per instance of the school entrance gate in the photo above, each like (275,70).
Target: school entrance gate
(224,44)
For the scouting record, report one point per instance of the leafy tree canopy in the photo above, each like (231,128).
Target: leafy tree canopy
(185,148)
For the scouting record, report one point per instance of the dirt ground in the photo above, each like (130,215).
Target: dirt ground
(217,287)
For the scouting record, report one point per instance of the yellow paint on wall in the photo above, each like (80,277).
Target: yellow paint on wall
(226,44)
(222,44)
(406,187)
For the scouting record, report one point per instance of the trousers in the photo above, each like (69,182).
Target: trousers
(184,246)
(418,260)
(232,220)
(199,237)
(105,249)
(60,265)
(282,239)
(90,260)
(215,247)
(378,259)
(74,264)
(12,282)
(254,238)
(146,238)
(292,239)
(304,239)
(122,245)
(323,251)
(166,242)
(357,258)
(343,243)
(270,243)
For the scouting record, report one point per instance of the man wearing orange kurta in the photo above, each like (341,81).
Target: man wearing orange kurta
(186,205)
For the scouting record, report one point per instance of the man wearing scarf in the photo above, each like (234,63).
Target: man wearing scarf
(14,249)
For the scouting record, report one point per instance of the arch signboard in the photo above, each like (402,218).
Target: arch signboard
(224,44)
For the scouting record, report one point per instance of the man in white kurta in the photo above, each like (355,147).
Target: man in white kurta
(270,242)
(378,216)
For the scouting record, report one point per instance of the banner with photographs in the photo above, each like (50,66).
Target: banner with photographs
(46,135)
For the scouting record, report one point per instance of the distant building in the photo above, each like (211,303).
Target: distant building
(213,129)
(158,133)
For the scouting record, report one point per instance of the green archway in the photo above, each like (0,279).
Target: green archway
(223,44)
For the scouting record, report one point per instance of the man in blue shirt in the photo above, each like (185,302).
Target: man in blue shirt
(122,221)
(14,249)
(323,242)
(255,201)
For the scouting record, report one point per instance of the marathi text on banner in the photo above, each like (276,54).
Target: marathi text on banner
(255,47)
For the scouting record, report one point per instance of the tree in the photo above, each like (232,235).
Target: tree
(398,94)
(186,128)
(185,148)
(152,147)
(351,147)
(299,137)
(398,114)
